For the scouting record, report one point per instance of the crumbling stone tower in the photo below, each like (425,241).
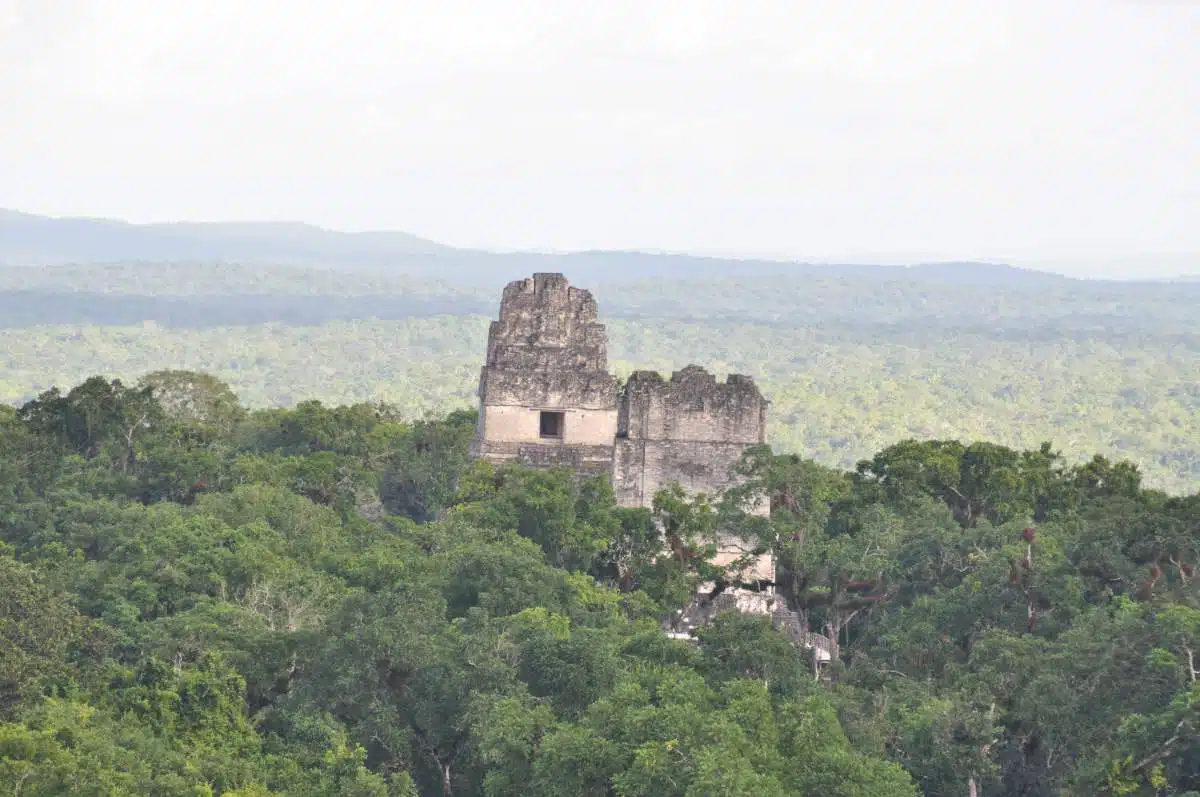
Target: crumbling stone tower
(545,394)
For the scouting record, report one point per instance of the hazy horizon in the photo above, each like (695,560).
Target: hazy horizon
(1060,133)
(1154,266)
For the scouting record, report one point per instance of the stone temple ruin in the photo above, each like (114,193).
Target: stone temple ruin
(546,398)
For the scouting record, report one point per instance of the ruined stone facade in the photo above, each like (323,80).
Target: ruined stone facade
(545,394)
(691,430)
(706,606)
(688,429)
(546,398)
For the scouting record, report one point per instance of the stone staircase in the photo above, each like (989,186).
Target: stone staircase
(704,607)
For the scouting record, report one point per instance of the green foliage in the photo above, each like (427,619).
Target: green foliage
(195,397)
(574,521)
(39,628)
(331,600)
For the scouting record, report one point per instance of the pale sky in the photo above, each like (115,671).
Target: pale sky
(812,128)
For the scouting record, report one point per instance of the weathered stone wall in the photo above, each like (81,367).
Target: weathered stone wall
(553,386)
(588,460)
(689,429)
(547,352)
(546,324)
(643,467)
(693,430)
(584,427)
(693,406)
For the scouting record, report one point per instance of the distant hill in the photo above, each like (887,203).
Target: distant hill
(599,268)
(26,239)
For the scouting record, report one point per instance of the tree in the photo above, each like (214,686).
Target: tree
(39,630)
(96,416)
(424,466)
(574,520)
(193,397)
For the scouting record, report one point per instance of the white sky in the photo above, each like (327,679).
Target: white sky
(964,128)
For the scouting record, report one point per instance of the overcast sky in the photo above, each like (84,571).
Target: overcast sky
(813,128)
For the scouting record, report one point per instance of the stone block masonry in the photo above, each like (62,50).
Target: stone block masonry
(546,398)
(689,429)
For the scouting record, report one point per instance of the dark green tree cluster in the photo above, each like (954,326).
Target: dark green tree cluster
(197,599)
(1002,622)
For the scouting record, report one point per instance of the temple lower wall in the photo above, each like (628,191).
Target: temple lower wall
(510,424)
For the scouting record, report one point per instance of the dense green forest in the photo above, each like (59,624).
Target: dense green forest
(853,358)
(197,598)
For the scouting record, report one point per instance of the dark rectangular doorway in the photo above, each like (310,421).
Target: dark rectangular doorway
(552,424)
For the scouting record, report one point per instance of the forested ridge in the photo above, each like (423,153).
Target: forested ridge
(853,358)
(197,598)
